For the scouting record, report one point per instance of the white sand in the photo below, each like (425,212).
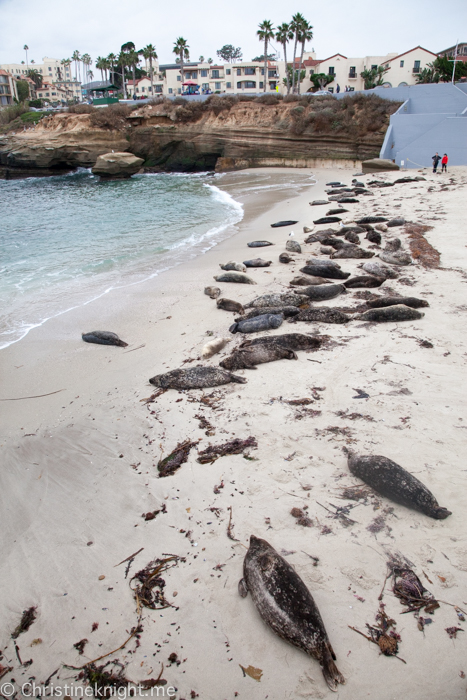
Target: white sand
(78,469)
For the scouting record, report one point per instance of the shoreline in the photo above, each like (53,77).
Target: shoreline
(80,469)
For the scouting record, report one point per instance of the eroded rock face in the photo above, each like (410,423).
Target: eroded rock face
(117,166)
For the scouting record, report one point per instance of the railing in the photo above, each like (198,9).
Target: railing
(352,75)
(416,70)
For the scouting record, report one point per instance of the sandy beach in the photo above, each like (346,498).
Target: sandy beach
(79,471)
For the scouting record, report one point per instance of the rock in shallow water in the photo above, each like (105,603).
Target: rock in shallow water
(117,166)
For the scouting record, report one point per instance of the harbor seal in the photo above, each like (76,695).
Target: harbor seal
(324,268)
(376,268)
(286,311)
(264,322)
(318,202)
(396,313)
(398,221)
(363,282)
(412,302)
(103,338)
(277,300)
(327,220)
(322,292)
(394,482)
(257,262)
(339,210)
(352,237)
(231,276)
(287,606)
(285,258)
(259,244)
(306,281)
(321,315)
(278,224)
(212,292)
(352,251)
(229,305)
(372,220)
(293,341)
(293,247)
(397,258)
(249,357)
(195,378)
(373,236)
(232,265)
(214,346)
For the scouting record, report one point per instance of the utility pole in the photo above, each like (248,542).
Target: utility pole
(454,61)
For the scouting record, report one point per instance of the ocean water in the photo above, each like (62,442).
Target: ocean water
(67,240)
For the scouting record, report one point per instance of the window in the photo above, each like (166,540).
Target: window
(159,88)
(272,84)
(179,91)
(179,77)
(416,67)
(331,70)
(228,85)
(204,74)
(262,71)
(271,73)
(402,64)
(215,74)
(352,72)
(261,85)
(205,86)
(374,67)
(217,86)
(228,71)
(312,72)
(170,91)
(249,71)
(239,71)
(246,84)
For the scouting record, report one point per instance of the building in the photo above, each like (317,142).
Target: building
(53,93)
(451,52)
(8,91)
(51,70)
(142,87)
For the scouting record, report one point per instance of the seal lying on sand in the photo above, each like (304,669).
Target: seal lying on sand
(352,251)
(293,341)
(258,244)
(283,223)
(413,302)
(373,236)
(308,280)
(257,262)
(195,378)
(374,267)
(277,300)
(263,322)
(232,265)
(214,346)
(285,258)
(229,305)
(352,237)
(399,312)
(327,220)
(324,268)
(286,311)
(322,291)
(397,258)
(231,276)
(103,338)
(321,316)
(393,481)
(249,357)
(363,282)
(287,606)
(212,292)
(293,246)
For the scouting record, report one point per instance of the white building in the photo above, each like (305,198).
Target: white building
(8,92)
(52,70)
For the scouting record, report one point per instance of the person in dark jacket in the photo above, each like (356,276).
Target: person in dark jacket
(444,163)
(436,158)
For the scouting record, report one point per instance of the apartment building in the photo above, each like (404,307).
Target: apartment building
(52,70)
(461,54)
(8,92)
(53,94)
(142,87)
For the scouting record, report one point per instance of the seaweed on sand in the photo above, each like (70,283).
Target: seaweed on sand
(27,618)
(169,465)
(148,584)
(233,447)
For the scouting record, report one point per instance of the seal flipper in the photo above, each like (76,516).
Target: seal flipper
(331,673)
(236,379)
(242,588)
(442,513)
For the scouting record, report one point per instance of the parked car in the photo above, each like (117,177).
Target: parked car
(321,92)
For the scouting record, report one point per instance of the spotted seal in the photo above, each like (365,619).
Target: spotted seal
(259,244)
(103,338)
(212,292)
(249,357)
(363,282)
(324,268)
(399,312)
(373,236)
(397,258)
(277,300)
(327,220)
(286,311)
(322,292)
(278,224)
(287,606)
(394,482)
(231,276)
(294,341)
(214,346)
(378,269)
(372,220)
(352,251)
(264,322)
(257,262)
(293,246)
(232,265)
(195,378)
(352,237)
(285,258)
(229,305)
(306,281)
(413,302)
(321,315)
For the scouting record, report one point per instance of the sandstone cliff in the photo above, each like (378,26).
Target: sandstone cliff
(221,134)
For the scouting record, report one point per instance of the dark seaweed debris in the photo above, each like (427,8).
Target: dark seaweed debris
(411,592)
(233,447)
(27,618)
(169,465)
(452,631)
(105,684)
(302,517)
(148,584)
(383,633)
(79,646)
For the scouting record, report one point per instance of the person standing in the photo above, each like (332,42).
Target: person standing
(444,163)
(338,88)
(436,158)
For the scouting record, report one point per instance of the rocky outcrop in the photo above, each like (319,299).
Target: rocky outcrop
(117,166)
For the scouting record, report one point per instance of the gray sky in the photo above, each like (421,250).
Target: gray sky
(55,28)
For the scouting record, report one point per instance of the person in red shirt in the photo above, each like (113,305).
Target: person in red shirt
(444,164)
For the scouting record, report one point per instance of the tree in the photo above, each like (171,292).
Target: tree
(264,33)
(229,53)
(444,68)
(210,61)
(26,48)
(284,34)
(35,76)
(76,57)
(373,77)
(269,57)
(296,26)
(182,50)
(100,65)
(133,60)
(86,61)
(320,80)
(305,35)
(428,75)
(65,62)
(201,59)
(112,60)
(288,76)
(22,88)
(149,53)
(123,61)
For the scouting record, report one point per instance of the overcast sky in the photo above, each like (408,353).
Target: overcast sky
(55,28)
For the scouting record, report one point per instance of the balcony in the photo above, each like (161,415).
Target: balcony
(416,70)
(352,76)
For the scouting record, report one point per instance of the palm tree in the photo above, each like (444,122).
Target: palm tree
(182,50)
(99,66)
(265,32)
(284,34)
(123,61)
(87,61)
(201,59)
(296,26)
(112,59)
(149,52)
(305,35)
(35,76)
(26,48)
(76,57)
(133,60)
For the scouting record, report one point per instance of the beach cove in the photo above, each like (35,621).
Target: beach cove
(79,469)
